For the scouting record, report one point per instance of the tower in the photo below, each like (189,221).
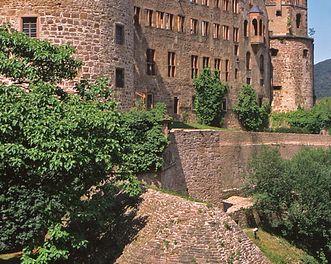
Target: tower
(291,55)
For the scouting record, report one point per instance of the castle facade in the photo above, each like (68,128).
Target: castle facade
(153,49)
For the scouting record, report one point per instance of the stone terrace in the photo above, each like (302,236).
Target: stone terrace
(181,231)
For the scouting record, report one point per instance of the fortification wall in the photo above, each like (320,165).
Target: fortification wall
(87,25)
(209,165)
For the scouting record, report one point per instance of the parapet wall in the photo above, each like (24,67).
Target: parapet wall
(209,165)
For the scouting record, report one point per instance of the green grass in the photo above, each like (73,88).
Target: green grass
(177,124)
(276,249)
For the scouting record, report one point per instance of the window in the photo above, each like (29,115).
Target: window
(193,102)
(226,4)
(194,26)
(235,7)
(171,64)
(217,3)
(194,1)
(305,53)
(150,101)
(227,69)
(279,13)
(248,81)
(194,66)
(262,64)
(181,24)
(205,62)
(160,21)
(248,61)
(278,87)
(136,15)
(169,20)
(260,102)
(298,20)
(119,77)
(274,52)
(246,28)
(205,2)
(261,82)
(226,33)
(224,105)
(236,50)
(150,61)
(176,105)
(204,28)
(216,31)
(119,33)
(217,66)
(254,23)
(29,26)
(235,34)
(236,72)
(149,17)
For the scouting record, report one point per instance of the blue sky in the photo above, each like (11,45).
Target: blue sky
(320,20)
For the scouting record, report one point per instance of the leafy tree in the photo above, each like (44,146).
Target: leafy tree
(251,116)
(63,157)
(210,92)
(294,196)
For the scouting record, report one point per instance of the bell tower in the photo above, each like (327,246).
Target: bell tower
(291,51)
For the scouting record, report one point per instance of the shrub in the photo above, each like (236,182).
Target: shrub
(210,92)
(250,115)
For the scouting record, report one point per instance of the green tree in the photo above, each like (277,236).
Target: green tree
(250,115)
(210,92)
(54,147)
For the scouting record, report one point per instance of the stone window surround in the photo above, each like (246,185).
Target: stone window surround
(32,15)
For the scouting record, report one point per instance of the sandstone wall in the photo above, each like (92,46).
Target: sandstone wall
(209,165)
(88,26)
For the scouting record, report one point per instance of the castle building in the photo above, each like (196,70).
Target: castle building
(154,49)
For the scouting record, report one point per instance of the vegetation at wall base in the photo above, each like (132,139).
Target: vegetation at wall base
(310,121)
(293,197)
(64,158)
(210,92)
(251,116)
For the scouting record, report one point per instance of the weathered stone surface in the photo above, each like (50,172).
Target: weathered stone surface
(209,165)
(181,231)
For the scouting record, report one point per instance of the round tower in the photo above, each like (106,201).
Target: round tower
(100,30)
(291,54)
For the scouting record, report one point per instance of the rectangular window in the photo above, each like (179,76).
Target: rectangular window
(217,3)
(150,101)
(227,69)
(235,34)
(150,61)
(194,1)
(136,15)
(205,2)
(236,71)
(160,20)
(193,102)
(149,17)
(176,105)
(181,24)
(226,33)
(29,26)
(205,62)
(119,32)
(216,31)
(119,77)
(235,7)
(248,80)
(224,105)
(226,5)
(169,21)
(217,66)
(194,66)
(204,28)
(261,82)
(171,64)
(193,26)
(236,50)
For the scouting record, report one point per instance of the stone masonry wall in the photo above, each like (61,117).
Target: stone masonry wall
(209,165)
(88,26)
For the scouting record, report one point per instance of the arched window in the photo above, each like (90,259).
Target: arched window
(262,64)
(261,27)
(298,20)
(248,61)
(255,27)
(245,28)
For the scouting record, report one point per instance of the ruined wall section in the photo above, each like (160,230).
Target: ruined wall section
(209,165)
(293,73)
(88,26)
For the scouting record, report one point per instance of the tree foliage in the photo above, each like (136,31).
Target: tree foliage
(294,196)
(57,148)
(210,92)
(250,115)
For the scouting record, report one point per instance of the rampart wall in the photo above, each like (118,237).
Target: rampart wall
(209,165)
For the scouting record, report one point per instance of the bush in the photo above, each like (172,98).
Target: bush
(210,92)
(250,115)
(294,196)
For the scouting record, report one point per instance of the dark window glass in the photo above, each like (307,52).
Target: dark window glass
(119,31)
(150,61)
(30,26)
(119,78)
(150,101)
